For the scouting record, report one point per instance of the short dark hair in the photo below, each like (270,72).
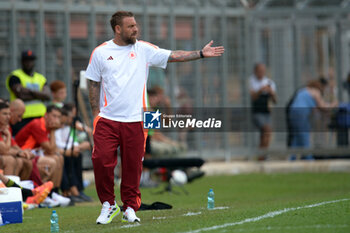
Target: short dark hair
(51,108)
(256,65)
(68,107)
(117,18)
(323,80)
(4,104)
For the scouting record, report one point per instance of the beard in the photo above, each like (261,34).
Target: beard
(129,39)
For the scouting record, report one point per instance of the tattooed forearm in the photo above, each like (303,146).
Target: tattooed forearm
(181,56)
(94,96)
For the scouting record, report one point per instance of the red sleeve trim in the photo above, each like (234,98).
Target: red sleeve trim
(154,46)
(95,50)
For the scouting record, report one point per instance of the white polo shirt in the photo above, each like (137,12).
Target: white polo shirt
(123,73)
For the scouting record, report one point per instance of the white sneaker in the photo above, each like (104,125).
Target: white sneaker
(49,202)
(64,201)
(108,212)
(130,216)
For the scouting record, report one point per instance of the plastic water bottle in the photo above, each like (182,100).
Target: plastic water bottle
(211,199)
(1,222)
(54,222)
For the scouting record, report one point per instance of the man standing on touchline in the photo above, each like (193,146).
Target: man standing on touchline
(117,74)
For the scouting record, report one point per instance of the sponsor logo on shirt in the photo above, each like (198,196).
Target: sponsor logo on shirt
(132,55)
(110,58)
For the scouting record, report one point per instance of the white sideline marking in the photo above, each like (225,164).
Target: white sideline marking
(319,226)
(221,208)
(131,225)
(186,215)
(267,215)
(159,218)
(192,213)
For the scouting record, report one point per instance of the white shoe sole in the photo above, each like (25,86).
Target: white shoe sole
(125,220)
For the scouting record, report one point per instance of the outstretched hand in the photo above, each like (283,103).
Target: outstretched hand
(209,51)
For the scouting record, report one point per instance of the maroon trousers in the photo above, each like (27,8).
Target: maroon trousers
(130,137)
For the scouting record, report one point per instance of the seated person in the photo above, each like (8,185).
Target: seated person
(34,196)
(15,161)
(39,136)
(17,108)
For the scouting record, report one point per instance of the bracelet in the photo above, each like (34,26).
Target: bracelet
(201,54)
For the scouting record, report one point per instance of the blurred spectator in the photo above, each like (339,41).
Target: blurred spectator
(9,150)
(31,87)
(302,104)
(185,106)
(72,174)
(145,180)
(262,90)
(341,126)
(158,143)
(39,136)
(59,93)
(158,99)
(8,162)
(17,108)
(156,78)
(346,85)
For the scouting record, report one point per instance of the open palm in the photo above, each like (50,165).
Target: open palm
(209,51)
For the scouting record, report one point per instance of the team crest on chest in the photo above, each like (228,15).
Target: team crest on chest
(132,55)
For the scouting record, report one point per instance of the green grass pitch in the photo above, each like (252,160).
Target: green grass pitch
(273,203)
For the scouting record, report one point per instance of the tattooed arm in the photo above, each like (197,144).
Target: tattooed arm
(181,56)
(207,51)
(94,97)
